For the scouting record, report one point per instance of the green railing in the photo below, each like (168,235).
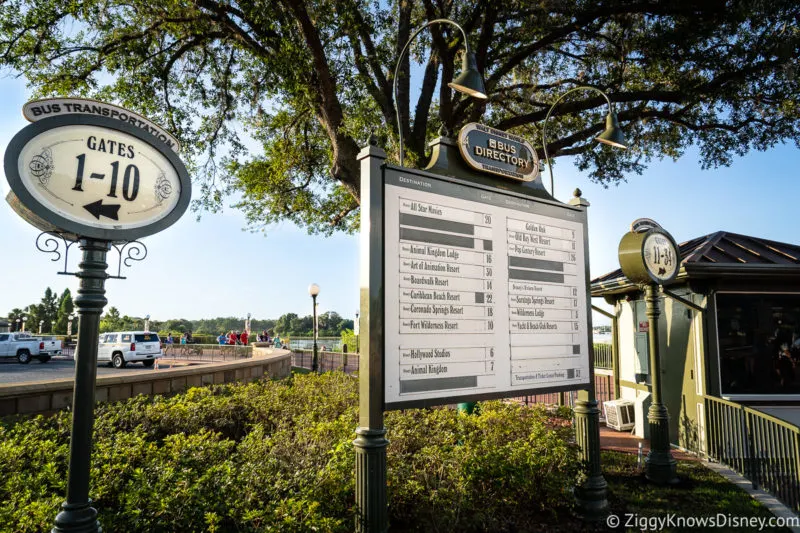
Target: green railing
(762,448)
(603,356)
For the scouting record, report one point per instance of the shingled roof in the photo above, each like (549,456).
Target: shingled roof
(718,254)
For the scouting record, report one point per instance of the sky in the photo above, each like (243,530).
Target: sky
(212,267)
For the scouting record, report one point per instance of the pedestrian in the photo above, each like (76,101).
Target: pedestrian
(231,338)
(170,339)
(183,338)
(244,337)
(222,339)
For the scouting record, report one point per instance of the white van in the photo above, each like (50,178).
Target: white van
(123,347)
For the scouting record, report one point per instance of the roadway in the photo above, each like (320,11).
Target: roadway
(11,372)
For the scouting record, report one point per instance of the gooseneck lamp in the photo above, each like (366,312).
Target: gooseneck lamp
(469,82)
(612,135)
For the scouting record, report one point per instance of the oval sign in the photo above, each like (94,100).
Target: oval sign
(498,152)
(97,177)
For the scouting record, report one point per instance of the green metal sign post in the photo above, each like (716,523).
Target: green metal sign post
(77,514)
(102,182)
(660,466)
(370,444)
(648,255)
(592,496)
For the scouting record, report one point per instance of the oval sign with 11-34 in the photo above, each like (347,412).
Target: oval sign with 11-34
(96,177)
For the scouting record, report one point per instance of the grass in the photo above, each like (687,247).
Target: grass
(701,493)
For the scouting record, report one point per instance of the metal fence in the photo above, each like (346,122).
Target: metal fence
(762,448)
(328,361)
(603,390)
(334,360)
(603,356)
(331,344)
(207,352)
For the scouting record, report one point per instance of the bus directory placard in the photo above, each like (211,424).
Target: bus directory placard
(485,293)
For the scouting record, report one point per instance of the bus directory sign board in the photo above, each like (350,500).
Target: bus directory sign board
(485,293)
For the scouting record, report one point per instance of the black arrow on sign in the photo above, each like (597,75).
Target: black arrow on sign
(97,209)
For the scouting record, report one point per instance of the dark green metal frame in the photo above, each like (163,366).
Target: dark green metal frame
(372,511)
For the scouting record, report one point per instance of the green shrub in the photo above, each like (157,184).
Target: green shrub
(278,456)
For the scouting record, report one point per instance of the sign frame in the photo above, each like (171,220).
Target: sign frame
(373,267)
(70,227)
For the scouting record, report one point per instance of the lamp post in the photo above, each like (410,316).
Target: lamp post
(247,324)
(18,322)
(468,82)
(313,290)
(69,324)
(611,136)
(147,322)
(592,495)
(41,325)
(24,318)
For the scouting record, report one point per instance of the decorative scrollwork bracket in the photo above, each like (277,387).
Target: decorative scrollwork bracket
(51,242)
(57,244)
(128,252)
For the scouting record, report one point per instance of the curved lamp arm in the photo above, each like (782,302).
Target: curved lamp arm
(611,136)
(471,85)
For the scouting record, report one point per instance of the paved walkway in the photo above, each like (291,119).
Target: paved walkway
(625,441)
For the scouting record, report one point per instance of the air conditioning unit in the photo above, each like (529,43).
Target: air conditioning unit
(619,414)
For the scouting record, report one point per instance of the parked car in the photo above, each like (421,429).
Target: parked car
(123,347)
(22,346)
(50,345)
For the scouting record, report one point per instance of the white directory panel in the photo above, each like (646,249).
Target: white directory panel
(485,293)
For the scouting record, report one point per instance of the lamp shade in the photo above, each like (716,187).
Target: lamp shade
(313,289)
(470,80)
(612,135)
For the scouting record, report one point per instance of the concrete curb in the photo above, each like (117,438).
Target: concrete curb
(767,500)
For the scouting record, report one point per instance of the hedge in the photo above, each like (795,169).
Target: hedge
(278,456)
